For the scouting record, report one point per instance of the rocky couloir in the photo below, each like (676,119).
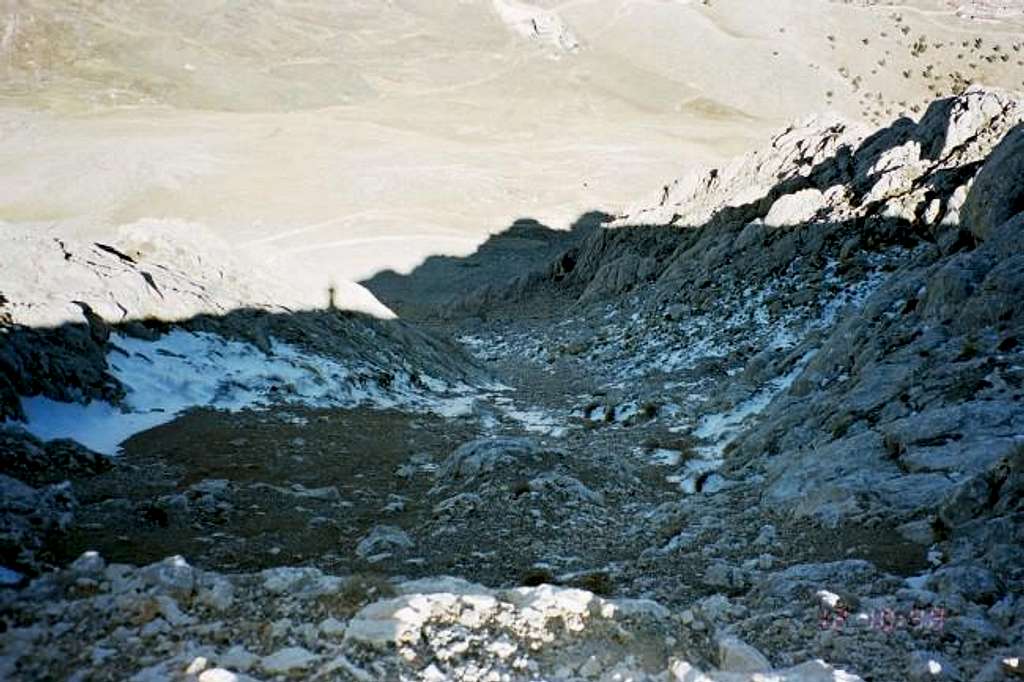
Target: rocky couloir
(770,416)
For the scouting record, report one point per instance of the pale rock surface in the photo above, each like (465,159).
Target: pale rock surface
(485,456)
(735,655)
(172,577)
(812,671)
(156,270)
(288,661)
(796,208)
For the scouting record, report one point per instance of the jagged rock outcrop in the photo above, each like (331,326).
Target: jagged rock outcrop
(997,194)
(909,398)
(824,189)
(913,391)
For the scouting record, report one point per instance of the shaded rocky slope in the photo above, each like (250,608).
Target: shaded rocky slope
(101,341)
(846,308)
(69,304)
(443,280)
(772,415)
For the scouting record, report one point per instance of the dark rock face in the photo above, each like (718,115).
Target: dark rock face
(66,364)
(38,502)
(30,519)
(38,463)
(998,191)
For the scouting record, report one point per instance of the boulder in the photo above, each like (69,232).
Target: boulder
(735,655)
(931,666)
(173,577)
(384,540)
(486,455)
(796,208)
(974,583)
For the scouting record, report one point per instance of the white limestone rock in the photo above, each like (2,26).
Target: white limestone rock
(735,655)
(794,209)
(288,661)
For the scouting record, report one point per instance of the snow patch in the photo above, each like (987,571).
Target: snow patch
(722,428)
(665,458)
(461,406)
(184,369)
(537,420)
(537,24)
(98,425)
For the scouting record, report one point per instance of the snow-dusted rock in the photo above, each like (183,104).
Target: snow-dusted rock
(90,563)
(484,456)
(173,576)
(384,539)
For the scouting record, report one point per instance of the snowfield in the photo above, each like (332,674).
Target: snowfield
(183,370)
